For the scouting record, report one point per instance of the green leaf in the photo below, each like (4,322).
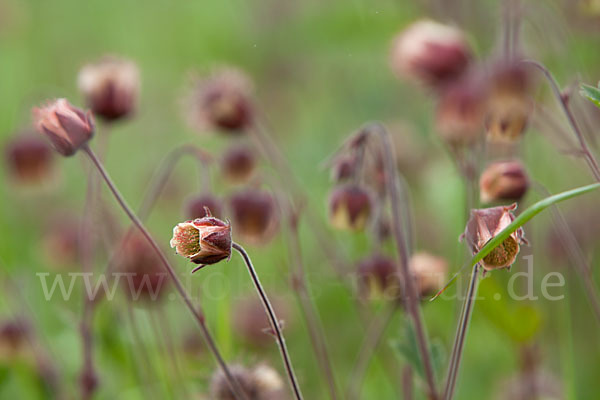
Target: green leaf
(591,93)
(407,349)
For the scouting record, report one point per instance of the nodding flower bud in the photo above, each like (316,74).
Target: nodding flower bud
(430,52)
(503,181)
(29,159)
(197,205)
(204,240)
(378,277)
(509,104)
(110,87)
(254,214)
(486,223)
(223,102)
(68,127)
(429,271)
(146,278)
(238,163)
(344,168)
(461,111)
(350,207)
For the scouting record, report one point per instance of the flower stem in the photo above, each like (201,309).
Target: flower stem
(273,320)
(196,312)
(461,334)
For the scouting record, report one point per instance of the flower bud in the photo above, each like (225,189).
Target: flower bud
(29,159)
(509,105)
(110,87)
(254,215)
(350,207)
(204,240)
(430,273)
(197,205)
(223,102)
(486,223)
(68,127)
(503,181)
(145,277)
(13,336)
(268,382)
(430,52)
(238,163)
(61,241)
(219,386)
(378,276)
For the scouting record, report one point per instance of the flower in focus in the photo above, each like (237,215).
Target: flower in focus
(29,159)
(254,214)
(429,272)
(238,163)
(486,223)
(110,87)
(197,205)
(378,276)
(68,127)
(430,53)
(222,102)
(204,240)
(350,207)
(503,181)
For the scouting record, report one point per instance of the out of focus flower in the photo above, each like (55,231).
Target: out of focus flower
(222,101)
(110,87)
(260,383)
(503,181)
(60,241)
(204,240)
(251,323)
(486,223)
(378,277)
(350,207)
(343,168)
(509,104)
(29,159)
(68,127)
(430,53)
(429,271)
(238,163)
(254,214)
(531,385)
(461,111)
(197,205)
(145,277)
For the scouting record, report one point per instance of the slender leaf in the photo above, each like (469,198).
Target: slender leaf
(591,93)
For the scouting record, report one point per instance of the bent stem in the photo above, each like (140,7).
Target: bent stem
(197,313)
(461,334)
(273,320)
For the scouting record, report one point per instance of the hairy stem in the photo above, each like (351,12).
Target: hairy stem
(196,312)
(273,320)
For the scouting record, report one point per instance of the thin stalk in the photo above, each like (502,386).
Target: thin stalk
(146,365)
(590,159)
(196,312)
(407,383)
(410,292)
(461,334)
(273,320)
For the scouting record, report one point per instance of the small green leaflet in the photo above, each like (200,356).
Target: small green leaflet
(591,93)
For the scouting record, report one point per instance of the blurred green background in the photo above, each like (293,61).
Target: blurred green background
(320,70)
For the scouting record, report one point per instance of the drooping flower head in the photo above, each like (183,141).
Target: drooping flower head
(503,180)
(29,159)
(350,207)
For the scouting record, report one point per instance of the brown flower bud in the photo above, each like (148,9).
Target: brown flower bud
(219,386)
(29,159)
(378,276)
(350,207)
(461,111)
(110,87)
(145,277)
(67,127)
(238,163)
(486,223)
(268,382)
(223,102)
(509,105)
(197,205)
(204,240)
(254,215)
(430,52)
(430,272)
(503,181)
(13,336)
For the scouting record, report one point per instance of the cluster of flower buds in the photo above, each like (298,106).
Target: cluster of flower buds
(110,87)
(252,324)
(254,214)
(430,53)
(29,159)
(503,181)
(350,207)
(259,383)
(145,278)
(486,223)
(67,127)
(238,163)
(222,101)
(196,206)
